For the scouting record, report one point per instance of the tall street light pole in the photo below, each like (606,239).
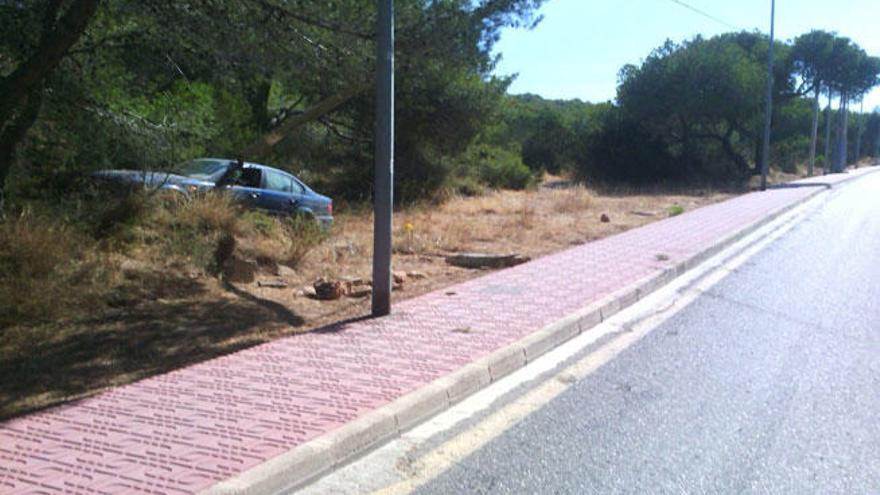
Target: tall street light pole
(768,103)
(383,190)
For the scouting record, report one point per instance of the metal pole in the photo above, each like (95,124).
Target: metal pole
(877,143)
(768,104)
(383,191)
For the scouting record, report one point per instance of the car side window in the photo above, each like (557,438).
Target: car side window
(298,188)
(277,182)
(250,177)
(245,177)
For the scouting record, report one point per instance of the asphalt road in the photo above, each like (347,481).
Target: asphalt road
(767,383)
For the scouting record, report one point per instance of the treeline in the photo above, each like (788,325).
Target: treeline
(90,84)
(695,110)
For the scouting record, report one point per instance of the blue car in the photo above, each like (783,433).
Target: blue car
(256,186)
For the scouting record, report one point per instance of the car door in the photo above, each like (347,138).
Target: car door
(278,192)
(246,186)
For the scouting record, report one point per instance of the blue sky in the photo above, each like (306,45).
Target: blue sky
(576,51)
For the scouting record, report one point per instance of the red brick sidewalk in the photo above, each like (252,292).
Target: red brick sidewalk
(184,431)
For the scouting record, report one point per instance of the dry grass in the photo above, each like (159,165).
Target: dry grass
(161,311)
(208,212)
(572,200)
(48,270)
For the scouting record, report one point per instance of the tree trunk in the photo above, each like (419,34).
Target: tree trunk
(740,161)
(686,148)
(844,143)
(58,36)
(826,165)
(877,143)
(14,132)
(20,91)
(859,133)
(814,132)
(839,162)
(262,146)
(257,95)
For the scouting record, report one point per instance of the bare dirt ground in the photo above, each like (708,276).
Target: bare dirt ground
(178,319)
(529,223)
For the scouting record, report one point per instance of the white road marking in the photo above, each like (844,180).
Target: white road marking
(391,470)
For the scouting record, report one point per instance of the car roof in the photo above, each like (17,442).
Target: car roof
(248,164)
(262,167)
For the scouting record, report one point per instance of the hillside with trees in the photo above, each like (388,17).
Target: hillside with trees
(90,84)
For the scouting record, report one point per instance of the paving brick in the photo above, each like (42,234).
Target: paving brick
(185,431)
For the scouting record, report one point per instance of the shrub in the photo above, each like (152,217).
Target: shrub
(193,228)
(675,210)
(45,269)
(498,168)
(303,233)
(212,211)
(622,150)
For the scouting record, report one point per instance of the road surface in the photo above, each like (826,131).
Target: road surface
(756,372)
(767,383)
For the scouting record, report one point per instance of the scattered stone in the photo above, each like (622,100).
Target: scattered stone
(462,330)
(240,271)
(276,283)
(486,260)
(451,293)
(328,290)
(567,378)
(345,248)
(662,257)
(355,281)
(416,275)
(267,265)
(308,291)
(644,213)
(604,218)
(362,291)
(399,277)
(285,271)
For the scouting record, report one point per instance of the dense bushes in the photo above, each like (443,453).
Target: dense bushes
(498,168)
(66,260)
(621,150)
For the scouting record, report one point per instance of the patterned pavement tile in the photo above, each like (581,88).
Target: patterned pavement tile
(186,430)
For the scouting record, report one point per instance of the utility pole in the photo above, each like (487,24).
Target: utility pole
(383,191)
(877,142)
(768,103)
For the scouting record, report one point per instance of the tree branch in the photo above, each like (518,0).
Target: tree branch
(57,38)
(263,145)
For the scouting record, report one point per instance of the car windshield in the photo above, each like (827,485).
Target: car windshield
(210,170)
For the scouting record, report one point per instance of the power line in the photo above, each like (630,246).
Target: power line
(704,14)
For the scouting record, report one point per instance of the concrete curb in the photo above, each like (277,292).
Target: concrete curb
(338,447)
